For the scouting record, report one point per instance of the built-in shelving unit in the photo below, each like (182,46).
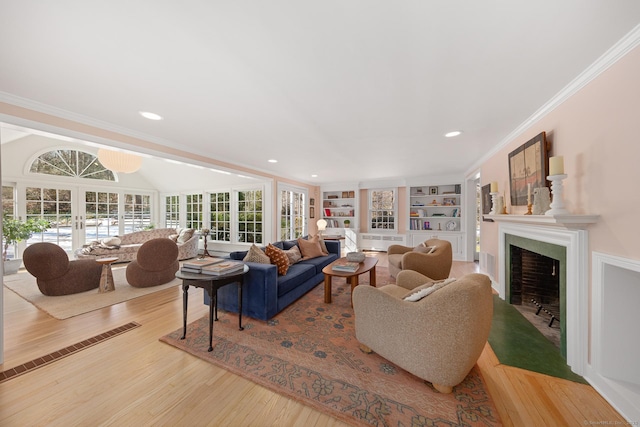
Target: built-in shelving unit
(338,207)
(435,212)
(340,210)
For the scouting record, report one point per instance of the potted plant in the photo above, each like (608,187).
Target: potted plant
(14,231)
(347,223)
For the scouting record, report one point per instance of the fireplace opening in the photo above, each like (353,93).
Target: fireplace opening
(535,291)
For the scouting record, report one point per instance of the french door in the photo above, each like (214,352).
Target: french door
(79,216)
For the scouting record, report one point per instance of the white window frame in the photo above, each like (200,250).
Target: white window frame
(370,210)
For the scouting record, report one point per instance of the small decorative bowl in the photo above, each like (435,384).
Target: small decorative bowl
(355,256)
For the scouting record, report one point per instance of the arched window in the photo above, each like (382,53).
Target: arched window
(71,163)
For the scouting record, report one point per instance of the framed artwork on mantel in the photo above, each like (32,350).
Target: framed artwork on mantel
(486,202)
(528,165)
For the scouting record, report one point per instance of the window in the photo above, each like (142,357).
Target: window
(382,209)
(101,209)
(9,208)
(194,211)
(220,216)
(172,211)
(250,216)
(292,214)
(53,205)
(137,212)
(71,163)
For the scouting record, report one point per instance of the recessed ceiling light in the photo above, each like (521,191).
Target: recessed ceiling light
(452,133)
(150,116)
(273,161)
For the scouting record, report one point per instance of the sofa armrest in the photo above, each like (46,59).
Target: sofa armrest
(333,246)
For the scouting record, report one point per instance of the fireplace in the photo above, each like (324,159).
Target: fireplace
(568,246)
(533,285)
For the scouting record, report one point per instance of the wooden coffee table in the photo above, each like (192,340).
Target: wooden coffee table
(369,264)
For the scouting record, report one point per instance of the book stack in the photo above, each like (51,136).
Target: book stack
(222,268)
(196,265)
(345,266)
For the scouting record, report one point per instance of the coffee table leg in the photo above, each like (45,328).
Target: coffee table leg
(372,276)
(327,289)
(185,299)
(353,280)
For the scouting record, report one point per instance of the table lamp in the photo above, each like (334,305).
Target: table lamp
(322,225)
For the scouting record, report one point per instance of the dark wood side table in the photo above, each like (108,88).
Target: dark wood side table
(211,284)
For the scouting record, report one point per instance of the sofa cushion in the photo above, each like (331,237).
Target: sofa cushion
(111,241)
(185,234)
(323,246)
(320,262)
(293,254)
(310,248)
(278,258)
(255,254)
(174,237)
(297,275)
(288,244)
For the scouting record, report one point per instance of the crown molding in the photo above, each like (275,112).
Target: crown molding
(625,45)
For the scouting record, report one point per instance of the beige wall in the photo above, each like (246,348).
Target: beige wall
(598,132)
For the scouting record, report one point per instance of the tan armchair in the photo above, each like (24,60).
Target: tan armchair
(436,265)
(438,338)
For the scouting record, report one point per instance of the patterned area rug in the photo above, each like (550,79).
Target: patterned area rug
(309,352)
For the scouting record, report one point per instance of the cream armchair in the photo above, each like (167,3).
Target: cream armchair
(438,338)
(436,265)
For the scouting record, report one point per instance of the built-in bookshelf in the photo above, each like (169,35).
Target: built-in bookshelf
(339,208)
(435,208)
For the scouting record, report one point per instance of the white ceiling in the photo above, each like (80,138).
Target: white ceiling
(350,90)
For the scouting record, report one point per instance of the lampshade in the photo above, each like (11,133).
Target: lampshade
(322,224)
(118,161)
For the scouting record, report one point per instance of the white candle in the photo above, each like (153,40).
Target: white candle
(529,193)
(556,165)
(494,187)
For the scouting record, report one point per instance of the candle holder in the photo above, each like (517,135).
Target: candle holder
(205,233)
(557,192)
(529,206)
(494,203)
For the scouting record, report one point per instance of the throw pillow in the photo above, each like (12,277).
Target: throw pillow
(255,254)
(416,294)
(278,257)
(111,241)
(310,248)
(293,254)
(424,249)
(174,237)
(323,246)
(185,234)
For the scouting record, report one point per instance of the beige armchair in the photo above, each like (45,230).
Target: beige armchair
(438,338)
(436,265)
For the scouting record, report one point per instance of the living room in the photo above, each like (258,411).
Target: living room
(592,123)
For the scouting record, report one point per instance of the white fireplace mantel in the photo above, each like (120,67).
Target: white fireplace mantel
(567,221)
(570,232)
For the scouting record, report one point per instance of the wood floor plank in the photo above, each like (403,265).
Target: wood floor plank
(134,379)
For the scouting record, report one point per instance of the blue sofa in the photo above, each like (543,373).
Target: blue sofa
(265,293)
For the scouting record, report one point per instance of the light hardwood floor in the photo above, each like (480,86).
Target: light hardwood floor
(135,380)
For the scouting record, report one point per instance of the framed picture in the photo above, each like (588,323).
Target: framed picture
(312,201)
(433,191)
(449,201)
(312,212)
(528,164)
(486,201)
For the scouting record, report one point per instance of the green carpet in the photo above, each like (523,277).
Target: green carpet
(516,342)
